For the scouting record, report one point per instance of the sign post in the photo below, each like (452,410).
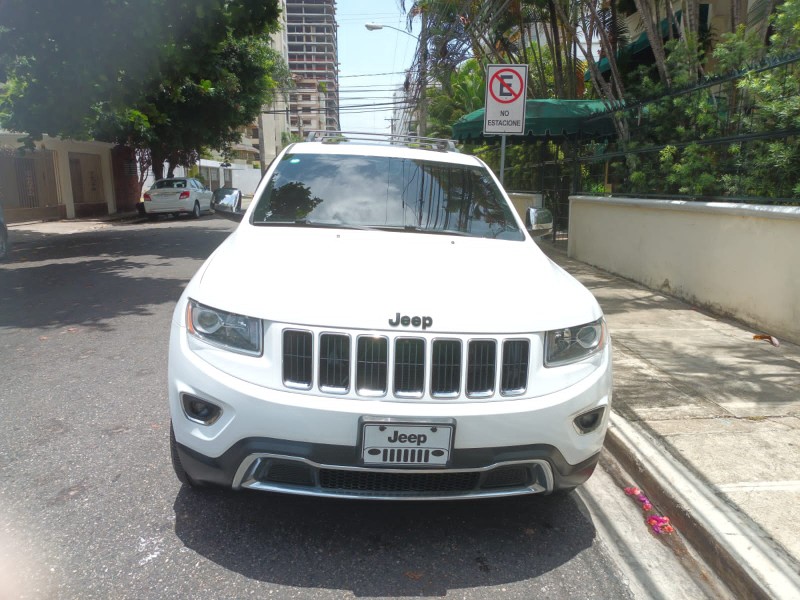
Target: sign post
(506,87)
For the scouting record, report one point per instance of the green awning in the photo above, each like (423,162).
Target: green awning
(548,118)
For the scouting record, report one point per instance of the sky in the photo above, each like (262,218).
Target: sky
(372,63)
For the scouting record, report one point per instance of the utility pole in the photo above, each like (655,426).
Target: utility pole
(262,141)
(422,102)
(423,76)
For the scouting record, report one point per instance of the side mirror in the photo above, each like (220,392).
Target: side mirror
(539,221)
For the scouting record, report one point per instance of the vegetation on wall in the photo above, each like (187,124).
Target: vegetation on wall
(678,132)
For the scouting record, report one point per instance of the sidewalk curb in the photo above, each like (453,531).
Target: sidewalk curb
(726,539)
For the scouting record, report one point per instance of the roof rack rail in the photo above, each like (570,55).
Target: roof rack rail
(411,141)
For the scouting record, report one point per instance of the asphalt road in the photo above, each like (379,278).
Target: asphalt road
(90,507)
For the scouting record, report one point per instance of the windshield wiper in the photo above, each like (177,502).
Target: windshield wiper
(309,223)
(417,229)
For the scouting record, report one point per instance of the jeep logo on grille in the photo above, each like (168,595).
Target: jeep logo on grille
(407,321)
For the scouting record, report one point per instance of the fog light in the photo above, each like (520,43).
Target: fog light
(199,410)
(589,421)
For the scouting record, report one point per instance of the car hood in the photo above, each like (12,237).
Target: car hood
(365,279)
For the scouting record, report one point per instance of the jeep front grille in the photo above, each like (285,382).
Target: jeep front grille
(406,364)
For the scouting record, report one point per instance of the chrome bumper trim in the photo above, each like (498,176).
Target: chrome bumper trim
(246,478)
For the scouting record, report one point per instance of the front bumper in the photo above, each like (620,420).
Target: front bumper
(154,207)
(278,440)
(319,470)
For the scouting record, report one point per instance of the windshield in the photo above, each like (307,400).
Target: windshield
(385,193)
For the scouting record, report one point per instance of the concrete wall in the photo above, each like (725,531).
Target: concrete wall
(734,259)
(522,201)
(246,180)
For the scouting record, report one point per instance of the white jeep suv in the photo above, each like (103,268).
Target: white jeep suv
(381,325)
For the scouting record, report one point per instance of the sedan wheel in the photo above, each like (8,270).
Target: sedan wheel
(196,211)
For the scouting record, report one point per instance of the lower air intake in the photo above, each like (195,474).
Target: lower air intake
(397,482)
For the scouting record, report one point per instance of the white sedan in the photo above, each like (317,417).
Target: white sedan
(176,196)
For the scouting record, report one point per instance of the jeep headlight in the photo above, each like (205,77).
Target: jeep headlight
(571,344)
(226,330)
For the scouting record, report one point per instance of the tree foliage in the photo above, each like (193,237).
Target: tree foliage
(674,140)
(168,75)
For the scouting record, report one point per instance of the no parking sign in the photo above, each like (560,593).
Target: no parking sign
(505,99)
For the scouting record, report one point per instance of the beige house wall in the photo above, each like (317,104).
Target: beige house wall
(62,149)
(735,259)
(58,192)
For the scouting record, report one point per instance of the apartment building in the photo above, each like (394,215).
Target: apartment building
(313,60)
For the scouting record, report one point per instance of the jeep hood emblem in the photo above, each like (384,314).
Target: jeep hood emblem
(406,321)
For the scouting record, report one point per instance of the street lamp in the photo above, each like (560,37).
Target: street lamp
(377,26)
(423,67)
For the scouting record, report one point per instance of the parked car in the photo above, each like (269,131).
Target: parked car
(227,199)
(382,324)
(176,196)
(4,246)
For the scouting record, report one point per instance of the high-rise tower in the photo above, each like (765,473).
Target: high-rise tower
(313,61)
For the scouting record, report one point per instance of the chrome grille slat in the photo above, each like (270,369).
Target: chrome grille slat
(514,376)
(297,358)
(481,367)
(372,366)
(412,366)
(409,367)
(334,363)
(446,368)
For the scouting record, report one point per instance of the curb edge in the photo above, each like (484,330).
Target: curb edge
(734,562)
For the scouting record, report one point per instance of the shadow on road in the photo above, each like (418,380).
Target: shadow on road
(89,278)
(382,549)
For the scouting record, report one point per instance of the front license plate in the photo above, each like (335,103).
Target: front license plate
(404,444)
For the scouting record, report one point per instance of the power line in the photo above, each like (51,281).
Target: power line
(373,74)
